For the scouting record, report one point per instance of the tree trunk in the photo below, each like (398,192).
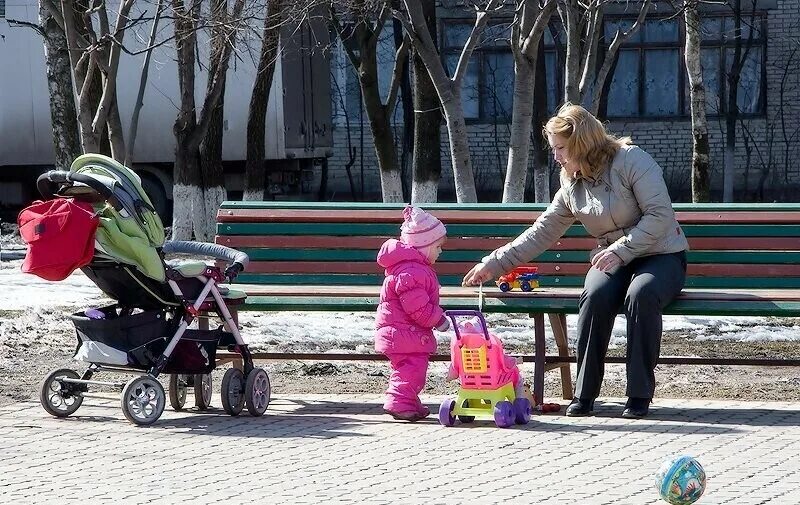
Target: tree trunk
(732,112)
(143,76)
(66,140)
(380,125)
(697,93)
(540,166)
(211,148)
(427,161)
(521,125)
(407,143)
(187,188)
(255,169)
(573,57)
(459,148)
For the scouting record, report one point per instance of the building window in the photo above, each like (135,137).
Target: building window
(649,78)
(487,90)
(718,40)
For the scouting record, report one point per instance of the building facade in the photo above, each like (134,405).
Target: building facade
(647,98)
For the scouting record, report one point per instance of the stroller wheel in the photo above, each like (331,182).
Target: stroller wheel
(232,391)
(257,392)
(177,390)
(202,391)
(60,399)
(143,400)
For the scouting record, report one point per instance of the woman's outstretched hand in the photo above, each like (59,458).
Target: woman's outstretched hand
(477,275)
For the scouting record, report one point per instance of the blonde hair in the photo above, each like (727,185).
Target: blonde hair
(588,144)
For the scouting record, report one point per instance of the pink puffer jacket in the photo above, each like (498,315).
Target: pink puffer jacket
(409,306)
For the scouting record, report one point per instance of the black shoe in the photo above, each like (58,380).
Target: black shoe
(580,407)
(636,408)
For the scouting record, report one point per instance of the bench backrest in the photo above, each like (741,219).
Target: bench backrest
(335,243)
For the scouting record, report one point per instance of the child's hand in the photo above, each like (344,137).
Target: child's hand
(443,324)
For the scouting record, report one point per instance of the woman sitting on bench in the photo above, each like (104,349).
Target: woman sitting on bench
(617,191)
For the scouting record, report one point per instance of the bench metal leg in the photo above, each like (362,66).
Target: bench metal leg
(539,350)
(558,322)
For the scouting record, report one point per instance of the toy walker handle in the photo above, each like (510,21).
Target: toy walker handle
(455,314)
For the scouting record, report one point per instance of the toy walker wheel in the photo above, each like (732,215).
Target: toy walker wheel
(504,286)
(525,286)
(503,414)
(466,419)
(143,400)
(58,398)
(203,388)
(446,417)
(522,410)
(232,391)
(178,385)
(257,392)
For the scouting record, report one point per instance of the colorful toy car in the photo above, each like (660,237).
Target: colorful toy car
(524,278)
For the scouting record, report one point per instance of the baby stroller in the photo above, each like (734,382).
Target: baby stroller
(147,331)
(486,374)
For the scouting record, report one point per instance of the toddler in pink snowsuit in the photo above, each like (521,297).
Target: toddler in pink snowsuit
(409,310)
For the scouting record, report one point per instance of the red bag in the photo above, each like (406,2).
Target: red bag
(60,237)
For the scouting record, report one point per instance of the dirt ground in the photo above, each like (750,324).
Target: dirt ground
(33,344)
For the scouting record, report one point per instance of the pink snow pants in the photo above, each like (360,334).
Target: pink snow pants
(406,381)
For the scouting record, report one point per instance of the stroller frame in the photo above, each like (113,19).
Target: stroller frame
(193,294)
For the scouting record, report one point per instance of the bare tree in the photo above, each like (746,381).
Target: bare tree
(583,23)
(94,57)
(697,94)
(360,35)
(190,213)
(255,169)
(449,88)
(427,159)
(526,34)
(143,76)
(741,50)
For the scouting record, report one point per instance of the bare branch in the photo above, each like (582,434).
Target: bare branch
(354,59)
(401,56)
(592,37)
(481,18)
(384,14)
(535,35)
(15,23)
(611,54)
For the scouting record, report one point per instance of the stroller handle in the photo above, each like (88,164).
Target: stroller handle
(49,183)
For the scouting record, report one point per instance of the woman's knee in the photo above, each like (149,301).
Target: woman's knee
(600,297)
(642,295)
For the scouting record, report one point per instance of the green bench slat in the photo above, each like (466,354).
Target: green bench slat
(755,257)
(695,207)
(532,304)
(467,230)
(455,280)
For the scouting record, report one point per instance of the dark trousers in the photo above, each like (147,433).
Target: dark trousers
(644,287)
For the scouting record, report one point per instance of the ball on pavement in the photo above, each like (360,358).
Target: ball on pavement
(680,480)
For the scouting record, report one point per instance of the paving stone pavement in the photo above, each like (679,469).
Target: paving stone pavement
(343,449)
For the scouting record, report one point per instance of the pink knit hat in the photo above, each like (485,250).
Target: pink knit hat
(420,229)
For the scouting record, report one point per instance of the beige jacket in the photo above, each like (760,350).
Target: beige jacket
(627,208)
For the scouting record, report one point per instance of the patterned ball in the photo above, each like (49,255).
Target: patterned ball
(681,480)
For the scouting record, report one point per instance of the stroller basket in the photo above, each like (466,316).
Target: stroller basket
(138,340)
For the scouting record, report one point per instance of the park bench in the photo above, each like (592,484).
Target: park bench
(311,256)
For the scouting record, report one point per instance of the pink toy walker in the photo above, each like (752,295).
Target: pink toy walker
(486,374)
